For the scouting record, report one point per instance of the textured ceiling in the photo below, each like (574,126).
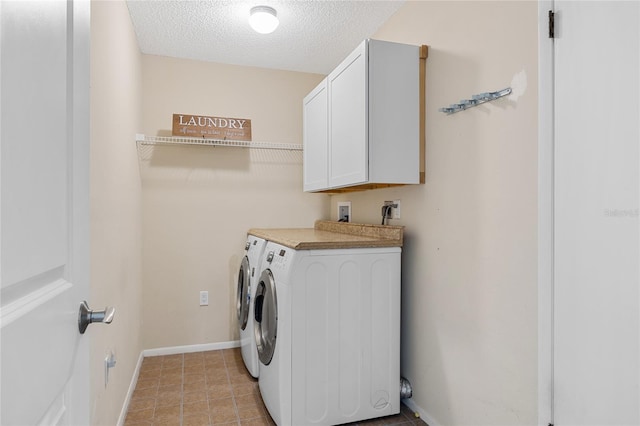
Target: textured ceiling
(313,35)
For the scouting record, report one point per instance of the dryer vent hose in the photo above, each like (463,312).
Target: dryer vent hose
(405,389)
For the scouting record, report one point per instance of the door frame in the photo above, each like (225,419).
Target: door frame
(546,146)
(80,84)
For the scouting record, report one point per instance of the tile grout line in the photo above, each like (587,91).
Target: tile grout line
(233,394)
(155,398)
(206,390)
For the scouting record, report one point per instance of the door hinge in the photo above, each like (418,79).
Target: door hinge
(552,24)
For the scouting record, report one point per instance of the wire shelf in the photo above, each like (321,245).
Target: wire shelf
(176,140)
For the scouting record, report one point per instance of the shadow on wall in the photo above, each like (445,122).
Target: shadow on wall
(417,316)
(193,157)
(467,73)
(234,267)
(175,166)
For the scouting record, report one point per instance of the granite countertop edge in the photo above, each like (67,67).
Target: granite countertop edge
(333,235)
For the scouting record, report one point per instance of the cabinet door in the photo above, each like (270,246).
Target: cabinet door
(315,138)
(394,112)
(348,151)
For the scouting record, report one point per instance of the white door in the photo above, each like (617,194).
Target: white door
(44,211)
(596,260)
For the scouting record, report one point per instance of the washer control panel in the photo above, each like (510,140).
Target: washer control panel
(277,257)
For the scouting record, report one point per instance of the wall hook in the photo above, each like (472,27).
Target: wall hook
(475,100)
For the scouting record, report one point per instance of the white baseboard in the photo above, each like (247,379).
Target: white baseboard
(423,414)
(132,387)
(167,351)
(191,348)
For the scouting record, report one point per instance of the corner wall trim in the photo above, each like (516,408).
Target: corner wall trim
(545,215)
(423,414)
(173,350)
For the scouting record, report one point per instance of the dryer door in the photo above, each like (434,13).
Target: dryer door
(243,294)
(266,317)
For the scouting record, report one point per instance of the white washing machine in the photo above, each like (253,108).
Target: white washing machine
(327,326)
(247,278)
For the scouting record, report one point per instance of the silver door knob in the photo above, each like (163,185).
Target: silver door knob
(86,316)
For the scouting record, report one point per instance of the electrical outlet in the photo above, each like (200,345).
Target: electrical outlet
(344,211)
(204,298)
(395,211)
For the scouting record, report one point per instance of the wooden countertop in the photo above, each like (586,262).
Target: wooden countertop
(333,235)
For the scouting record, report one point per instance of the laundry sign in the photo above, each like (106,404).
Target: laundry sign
(201,126)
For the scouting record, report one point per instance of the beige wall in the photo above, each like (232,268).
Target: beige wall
(199,202)
(469,308)
(116,278)
(469,264)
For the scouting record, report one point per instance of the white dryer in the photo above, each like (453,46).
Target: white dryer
(247,278)
(327,326)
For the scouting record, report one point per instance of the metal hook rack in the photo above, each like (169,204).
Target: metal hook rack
(475,101)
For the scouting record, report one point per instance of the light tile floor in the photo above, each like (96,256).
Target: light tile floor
(209,388)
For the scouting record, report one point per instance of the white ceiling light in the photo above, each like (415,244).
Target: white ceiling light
(263,19)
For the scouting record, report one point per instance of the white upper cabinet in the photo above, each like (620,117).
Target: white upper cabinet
(362,126)
(347,142)
(314,115)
